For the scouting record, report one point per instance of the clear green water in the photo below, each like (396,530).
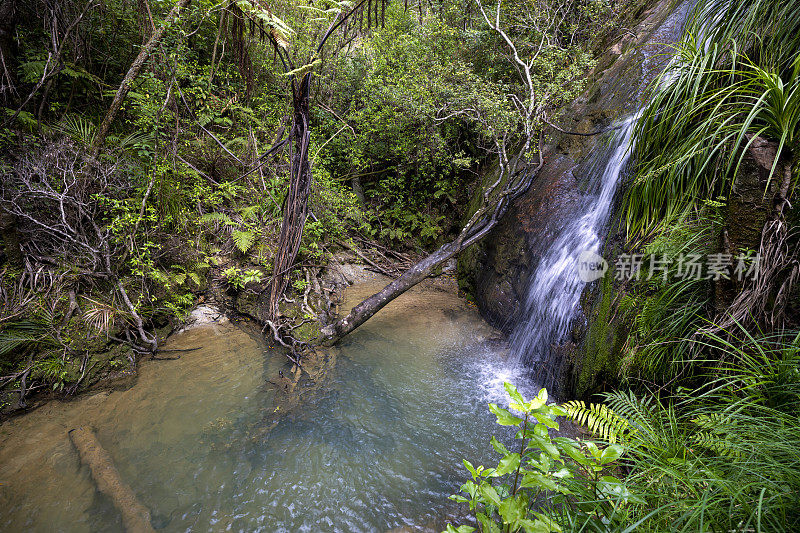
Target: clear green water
(377,446)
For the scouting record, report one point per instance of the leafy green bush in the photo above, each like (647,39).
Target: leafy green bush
(551,483)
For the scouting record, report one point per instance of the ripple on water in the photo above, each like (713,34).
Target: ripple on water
(377,447)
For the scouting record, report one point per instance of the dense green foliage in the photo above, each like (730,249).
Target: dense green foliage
(551,483)
(730,96)
(708,438)
(720,457)
(735,77)
(406,108)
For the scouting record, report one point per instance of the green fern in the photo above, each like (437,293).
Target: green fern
(599,419)
(715,435)
(217,217)
(249,212)
(244,240)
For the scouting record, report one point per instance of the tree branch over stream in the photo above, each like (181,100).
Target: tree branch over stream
(493,208)
(514,177)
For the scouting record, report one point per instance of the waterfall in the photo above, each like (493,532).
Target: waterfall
(555,287)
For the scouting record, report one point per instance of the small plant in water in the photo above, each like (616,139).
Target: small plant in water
(548,483)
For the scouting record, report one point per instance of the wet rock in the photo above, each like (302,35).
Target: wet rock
(495,272)
(203,316)
(344,270)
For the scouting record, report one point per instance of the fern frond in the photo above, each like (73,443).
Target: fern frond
(243,240)
(217,217)
(249,212)
(599,419)
(195,278)
(715,443)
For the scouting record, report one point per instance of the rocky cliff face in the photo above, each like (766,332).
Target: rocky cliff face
(496,272)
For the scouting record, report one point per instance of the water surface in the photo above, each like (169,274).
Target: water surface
(376,445)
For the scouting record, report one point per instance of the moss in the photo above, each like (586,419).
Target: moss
(602,350)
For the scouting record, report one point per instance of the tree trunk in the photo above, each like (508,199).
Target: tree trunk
(135,516)
(295,204)
(8,50)
(131,75)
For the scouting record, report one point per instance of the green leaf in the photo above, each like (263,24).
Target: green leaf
(499,447)
(546,420)
(536,526)
(549,522)
(542,396)
(470,488)
(504,418)
(217,217)
(569,448)
(610,454)
(507,464)
(512,510)
(563,473)
(535,479)
(488,526)
(513,393)
(490,495)
(612,487)
(471,468)
(593,449)
(547,446)
(459,529)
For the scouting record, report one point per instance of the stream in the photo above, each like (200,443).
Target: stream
(377,446)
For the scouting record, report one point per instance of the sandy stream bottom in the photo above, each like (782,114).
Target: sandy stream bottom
(378,448)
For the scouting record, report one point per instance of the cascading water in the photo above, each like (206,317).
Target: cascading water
(555,286)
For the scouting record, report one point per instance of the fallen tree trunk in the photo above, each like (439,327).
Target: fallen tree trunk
(135,516)
(487,216)
(131,75)
(414,275)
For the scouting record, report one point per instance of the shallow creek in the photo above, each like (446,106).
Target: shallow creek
(378,446)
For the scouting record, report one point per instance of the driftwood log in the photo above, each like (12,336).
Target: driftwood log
(135,516)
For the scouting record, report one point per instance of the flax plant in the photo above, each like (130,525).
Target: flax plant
(735,76)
